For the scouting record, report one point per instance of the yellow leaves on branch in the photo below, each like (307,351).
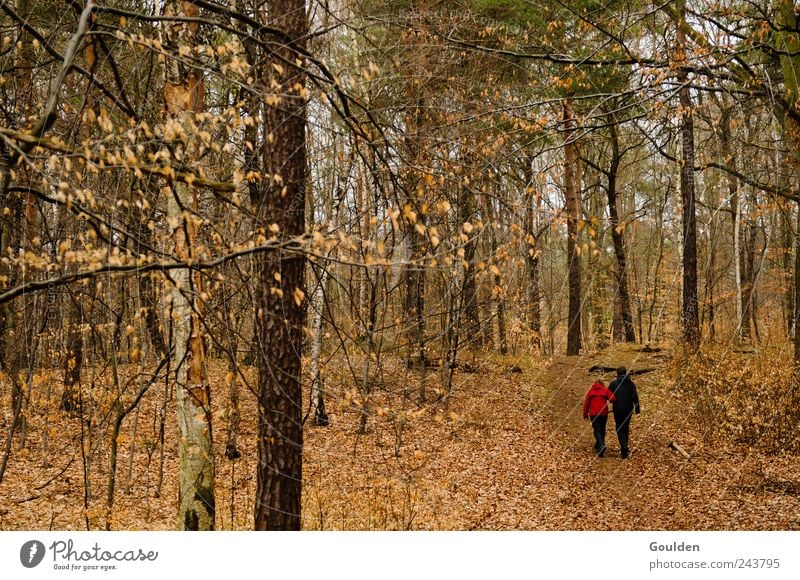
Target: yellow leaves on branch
(299,296)
(409,214)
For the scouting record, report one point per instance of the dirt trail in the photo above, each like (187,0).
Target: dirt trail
(610,493)
(565,384)
(656,488)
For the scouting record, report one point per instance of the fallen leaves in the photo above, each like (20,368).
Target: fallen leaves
(510,451)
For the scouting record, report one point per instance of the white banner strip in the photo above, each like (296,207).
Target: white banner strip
(400,555)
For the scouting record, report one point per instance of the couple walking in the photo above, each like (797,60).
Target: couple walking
(622,394)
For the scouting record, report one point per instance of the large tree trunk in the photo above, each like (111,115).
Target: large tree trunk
(183,95)
(690,319)
(789,42)
(626,332)
(281,280)
(574,341)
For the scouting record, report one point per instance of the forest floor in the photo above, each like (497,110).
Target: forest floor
(509,452)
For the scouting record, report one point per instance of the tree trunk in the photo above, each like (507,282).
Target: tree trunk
(370,354)
(415,41)
(317,386)
(149,302)
(597,297)
(786,263)
(797,292)
(736,212)
(690,319)
(573,206)
(532,237)
(183,95)
(534,295)
(622,296)
(789,43)
(711,276)
(12,332)
(73,358)
(281,280)
(472,319)
(748,252)
(415,296)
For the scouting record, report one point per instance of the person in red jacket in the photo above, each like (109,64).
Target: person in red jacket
(595,408)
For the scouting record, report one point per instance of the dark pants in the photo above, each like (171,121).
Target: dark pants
(599,428)
(622,420)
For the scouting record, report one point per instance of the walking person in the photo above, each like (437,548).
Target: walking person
(626,404)
(595,408)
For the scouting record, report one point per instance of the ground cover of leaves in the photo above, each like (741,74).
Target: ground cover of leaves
(509,451)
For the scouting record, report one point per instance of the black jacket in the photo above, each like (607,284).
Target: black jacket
(627,397)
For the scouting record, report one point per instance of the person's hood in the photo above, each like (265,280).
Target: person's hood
(597,388)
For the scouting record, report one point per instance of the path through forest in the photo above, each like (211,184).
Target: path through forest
(523,458)
(722,487)
(511,452)
(616,484)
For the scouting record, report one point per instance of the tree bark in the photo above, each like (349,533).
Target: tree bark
(317,385)
(622,296)
(73,358)
(183,96)
(796,324)
(573,206)
(788,20)
(281,280)
(532,236)
(786,263)
(690,319)
(748,252)
(472,319)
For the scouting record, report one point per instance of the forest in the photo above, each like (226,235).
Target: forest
(339,265)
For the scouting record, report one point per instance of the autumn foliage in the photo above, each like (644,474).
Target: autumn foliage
(748,397)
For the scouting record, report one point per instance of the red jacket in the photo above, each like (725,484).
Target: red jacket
(596,402)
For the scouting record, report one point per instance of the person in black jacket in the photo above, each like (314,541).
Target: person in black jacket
(626,404)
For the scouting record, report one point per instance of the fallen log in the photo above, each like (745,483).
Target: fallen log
(631,373)
(648,348)
(679,449)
